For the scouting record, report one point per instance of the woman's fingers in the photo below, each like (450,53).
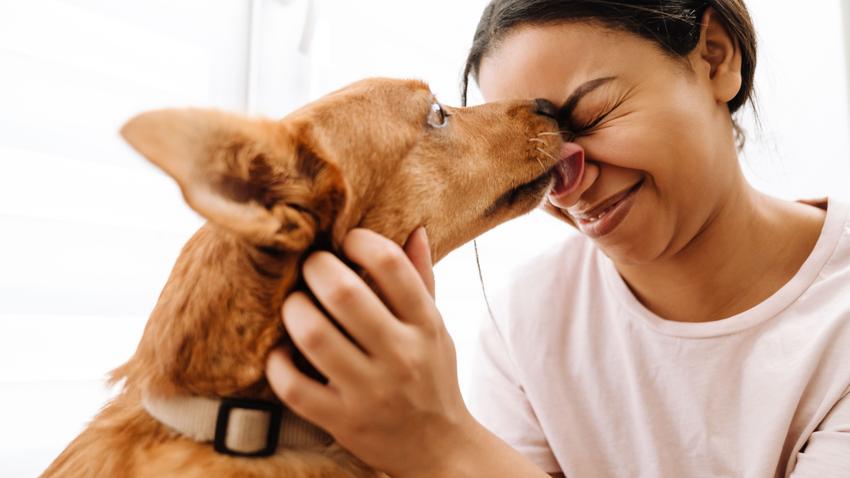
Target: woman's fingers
(399,281)
(350,301)
(303,395)
(419,252)
(405,386)
(320,341)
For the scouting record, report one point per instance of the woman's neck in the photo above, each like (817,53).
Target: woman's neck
(749,249)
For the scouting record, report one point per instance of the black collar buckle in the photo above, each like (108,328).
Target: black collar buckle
(275,412)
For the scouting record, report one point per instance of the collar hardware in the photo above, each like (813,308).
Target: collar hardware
(241,427)
(225,409)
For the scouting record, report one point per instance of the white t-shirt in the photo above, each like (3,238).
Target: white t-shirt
(579,376)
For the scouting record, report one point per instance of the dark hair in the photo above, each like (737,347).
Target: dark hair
(674,25)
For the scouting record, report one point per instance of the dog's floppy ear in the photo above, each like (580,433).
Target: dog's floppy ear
(252,176)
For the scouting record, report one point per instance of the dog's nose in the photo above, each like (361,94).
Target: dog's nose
(545,108)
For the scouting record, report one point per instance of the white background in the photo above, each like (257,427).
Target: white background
(89,231)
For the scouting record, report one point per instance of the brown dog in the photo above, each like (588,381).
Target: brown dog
(380,154)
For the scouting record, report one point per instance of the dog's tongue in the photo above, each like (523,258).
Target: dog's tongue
(568,171)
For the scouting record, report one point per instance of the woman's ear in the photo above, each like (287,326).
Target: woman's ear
(720,55)
(253,177)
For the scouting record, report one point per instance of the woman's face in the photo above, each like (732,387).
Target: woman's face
(657,134)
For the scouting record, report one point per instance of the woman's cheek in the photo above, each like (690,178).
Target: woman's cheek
(617,143)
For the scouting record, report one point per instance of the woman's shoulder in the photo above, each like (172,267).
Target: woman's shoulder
(836,237)
(819,293)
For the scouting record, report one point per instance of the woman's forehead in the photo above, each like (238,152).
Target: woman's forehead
(552,61)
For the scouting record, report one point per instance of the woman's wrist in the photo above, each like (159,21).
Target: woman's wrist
(473,451)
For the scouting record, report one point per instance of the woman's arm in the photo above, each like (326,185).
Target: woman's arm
(828,448)
(392,399)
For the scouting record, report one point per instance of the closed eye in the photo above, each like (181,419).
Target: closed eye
(588,126)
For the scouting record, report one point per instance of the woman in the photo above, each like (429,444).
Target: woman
(697,327)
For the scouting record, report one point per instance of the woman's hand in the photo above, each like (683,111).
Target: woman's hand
(393,398)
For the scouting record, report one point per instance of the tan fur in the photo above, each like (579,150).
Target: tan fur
(272,191)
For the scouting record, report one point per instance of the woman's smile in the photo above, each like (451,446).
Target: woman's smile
(603,219)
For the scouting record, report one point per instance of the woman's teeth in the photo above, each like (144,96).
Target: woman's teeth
(599,216)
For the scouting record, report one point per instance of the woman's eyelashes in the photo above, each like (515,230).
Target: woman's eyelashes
(580,123)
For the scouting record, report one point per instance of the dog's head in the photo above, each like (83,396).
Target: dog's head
(381,154)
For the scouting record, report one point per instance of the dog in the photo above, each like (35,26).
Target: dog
(381,154)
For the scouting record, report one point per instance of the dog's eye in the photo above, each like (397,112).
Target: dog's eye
(438,118)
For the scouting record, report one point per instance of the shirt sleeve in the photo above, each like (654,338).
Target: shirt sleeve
(827,452)
(498,401)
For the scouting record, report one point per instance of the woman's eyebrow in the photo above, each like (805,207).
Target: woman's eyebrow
(567,109)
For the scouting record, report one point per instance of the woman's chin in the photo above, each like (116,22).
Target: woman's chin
(633,243)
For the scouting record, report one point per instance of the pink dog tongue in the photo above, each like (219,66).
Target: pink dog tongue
(568,171)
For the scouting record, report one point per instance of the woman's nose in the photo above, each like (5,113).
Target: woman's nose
(545,108)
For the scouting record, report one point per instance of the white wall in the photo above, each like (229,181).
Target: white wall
(89,231)
(803,149)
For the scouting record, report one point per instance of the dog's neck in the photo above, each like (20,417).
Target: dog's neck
(216,320)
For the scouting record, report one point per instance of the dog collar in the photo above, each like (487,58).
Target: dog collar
(236,426)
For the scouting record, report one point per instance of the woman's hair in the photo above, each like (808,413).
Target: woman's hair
(674,25)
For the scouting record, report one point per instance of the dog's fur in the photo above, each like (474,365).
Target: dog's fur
(273,191)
